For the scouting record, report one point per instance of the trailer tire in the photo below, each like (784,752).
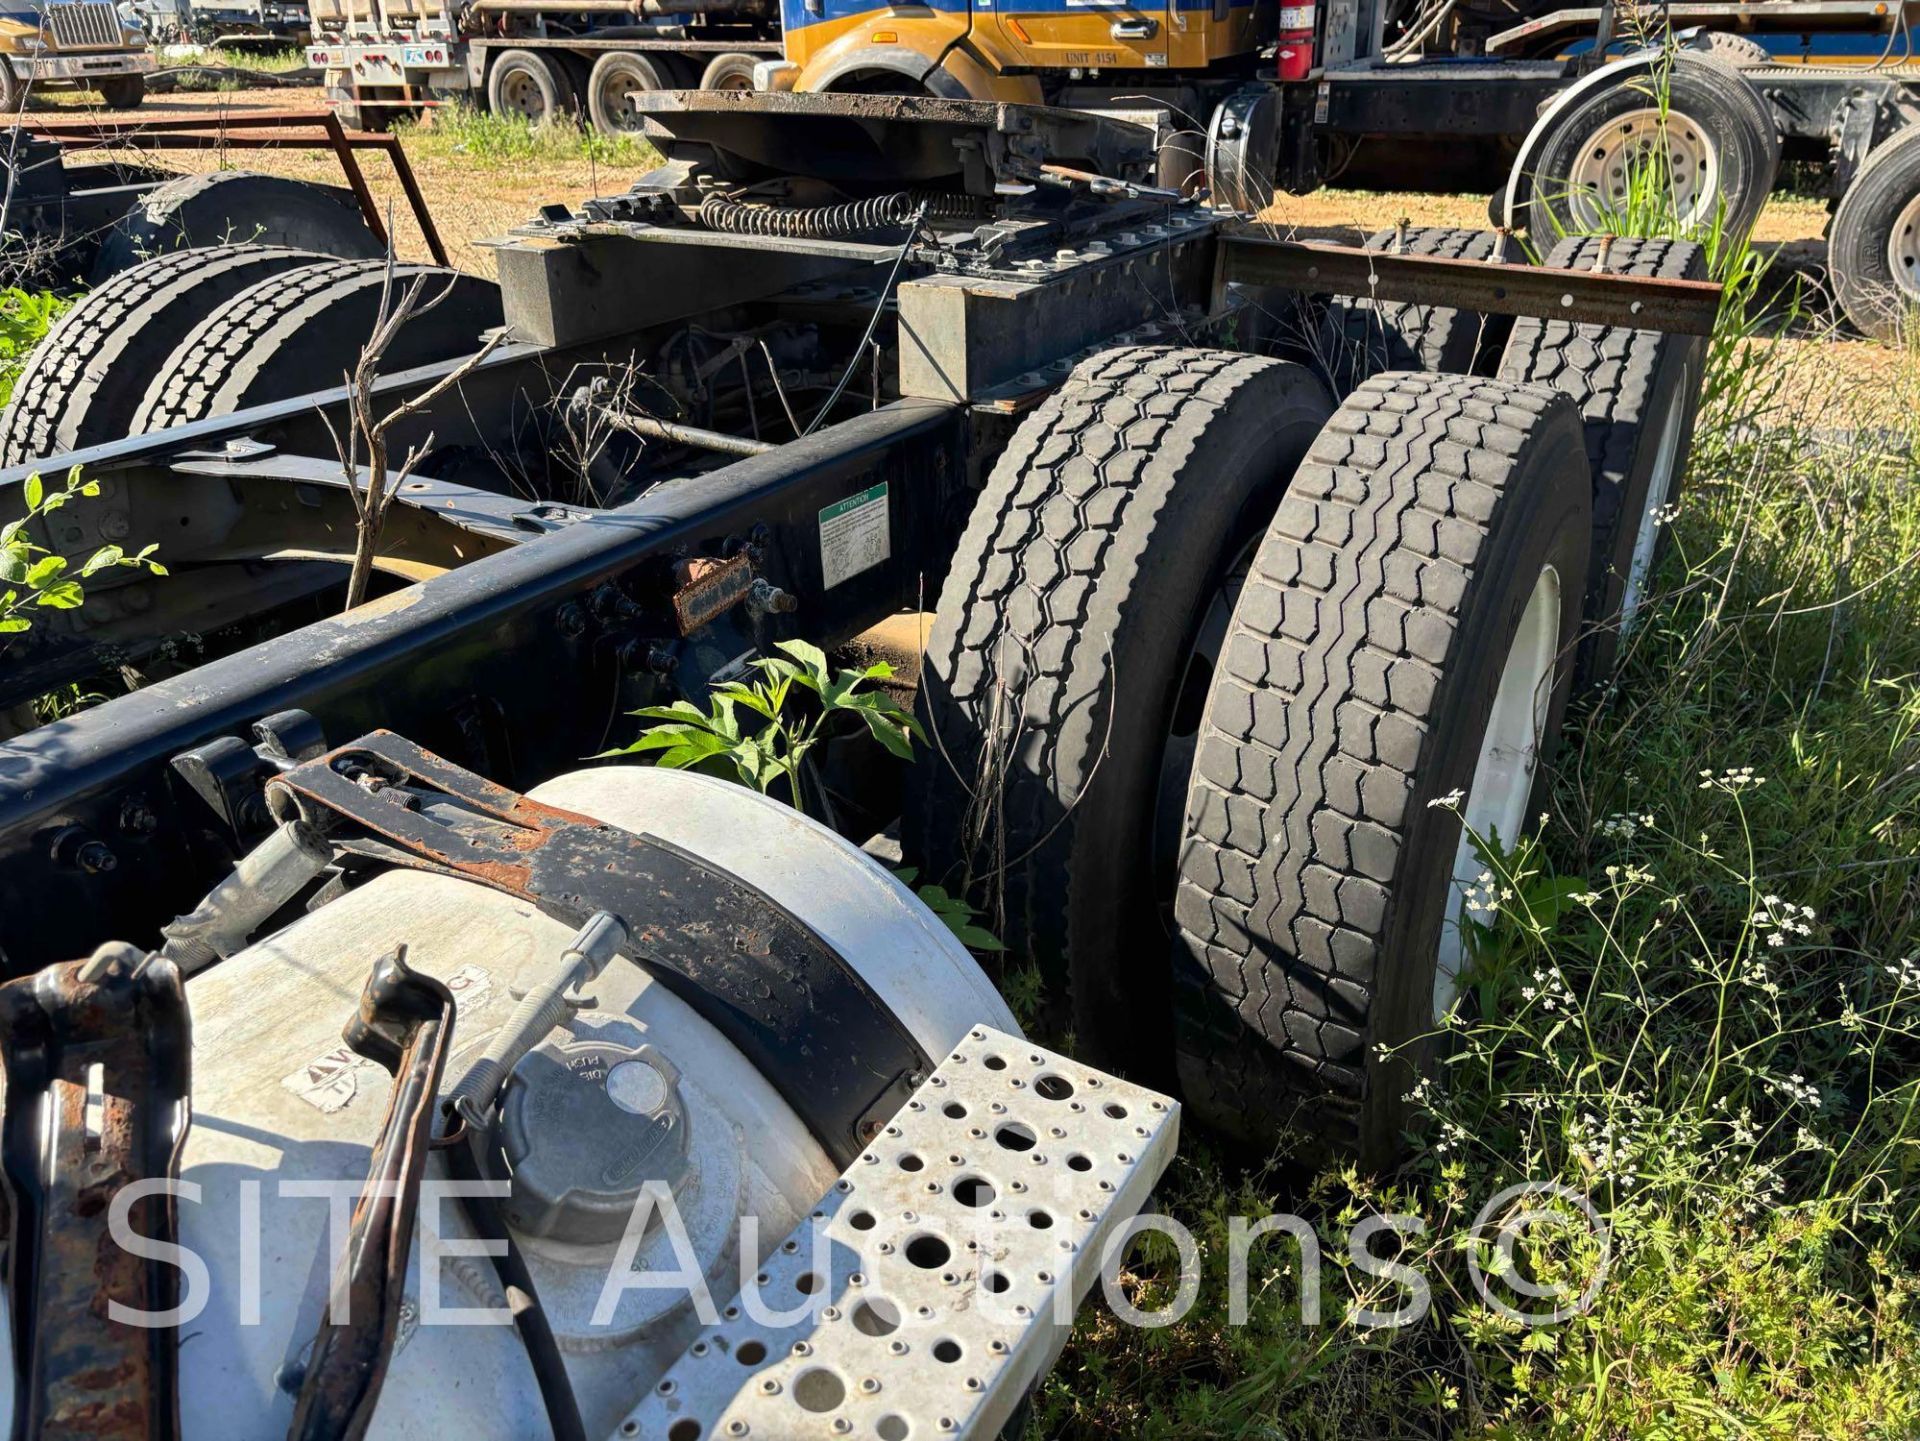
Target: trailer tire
(1726,48)
(729,70)
(123,92)
(1638,392)
(287,335)
(617,76)
(1717,124)
(530,85)
(236,207)
(82,383)
(1106,536)
(1411,576)
(1360,338)
(1873,247)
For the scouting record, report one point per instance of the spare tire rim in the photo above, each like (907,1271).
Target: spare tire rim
(1903,249)
(1600,182)
(520,92)
(617,89)
(1653,513)
(1496,804)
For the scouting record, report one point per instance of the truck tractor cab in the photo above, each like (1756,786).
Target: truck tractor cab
(72,45)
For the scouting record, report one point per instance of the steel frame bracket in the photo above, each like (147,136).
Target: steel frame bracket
(785,998)
(97,1057)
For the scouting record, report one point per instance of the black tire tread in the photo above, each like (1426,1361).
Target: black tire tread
(1611,374)
(1039,585)
(104,331)
(1310,760)
(214,367)
(1366,337)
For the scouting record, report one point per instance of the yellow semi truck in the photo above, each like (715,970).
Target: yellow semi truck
(72,44)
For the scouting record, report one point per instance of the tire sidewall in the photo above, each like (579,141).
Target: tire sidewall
(547,81)
(605,70)
(1862,225)
(727,65)
(1746,160)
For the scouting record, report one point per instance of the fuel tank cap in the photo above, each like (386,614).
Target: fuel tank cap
(591,1115)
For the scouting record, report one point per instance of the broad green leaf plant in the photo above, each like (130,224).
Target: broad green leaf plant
(770,752)
(36,578)
(721,742)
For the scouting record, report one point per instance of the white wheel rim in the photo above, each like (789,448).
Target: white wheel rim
(1503,773)
(1602,174)
(1903,249)
(1659,488)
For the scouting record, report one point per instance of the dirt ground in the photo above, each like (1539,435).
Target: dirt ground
(474,197)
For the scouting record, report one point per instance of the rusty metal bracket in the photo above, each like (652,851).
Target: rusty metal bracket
(404,1023)
(761,976)
(256,130)
(1680,307)
(97,1056)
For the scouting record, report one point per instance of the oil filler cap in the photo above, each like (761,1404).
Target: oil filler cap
(592,1114)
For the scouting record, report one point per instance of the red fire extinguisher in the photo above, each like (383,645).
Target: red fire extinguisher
(1296,41)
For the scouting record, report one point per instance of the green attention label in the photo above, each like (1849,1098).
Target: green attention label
(854,535)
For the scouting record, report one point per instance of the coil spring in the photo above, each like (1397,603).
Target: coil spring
(832,222)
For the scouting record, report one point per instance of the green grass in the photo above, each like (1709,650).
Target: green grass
(265,62)
(465,131)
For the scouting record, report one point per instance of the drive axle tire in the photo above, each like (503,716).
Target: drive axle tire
(1063,677)
(729,70)
(617,77)
(1362,338)
(529,85)
(1396,640)
(304,330)
(236,207)
(124,92)
(84,381)
(1722,146)
(1873,248)
(1638,393)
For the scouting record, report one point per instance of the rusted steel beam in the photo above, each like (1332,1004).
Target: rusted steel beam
(283,130)
(96,1054)
(1593,297)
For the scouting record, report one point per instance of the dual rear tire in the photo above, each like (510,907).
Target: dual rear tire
(1207,649)
(197,333)
(1211,651)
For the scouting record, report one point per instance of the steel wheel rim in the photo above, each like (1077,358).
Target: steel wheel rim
(1601,175)
(1503,772)
(1903,249)
(520,93)
(617,89)
(1659,489)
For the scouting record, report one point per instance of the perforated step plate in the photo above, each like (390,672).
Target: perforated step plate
(938,1279)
